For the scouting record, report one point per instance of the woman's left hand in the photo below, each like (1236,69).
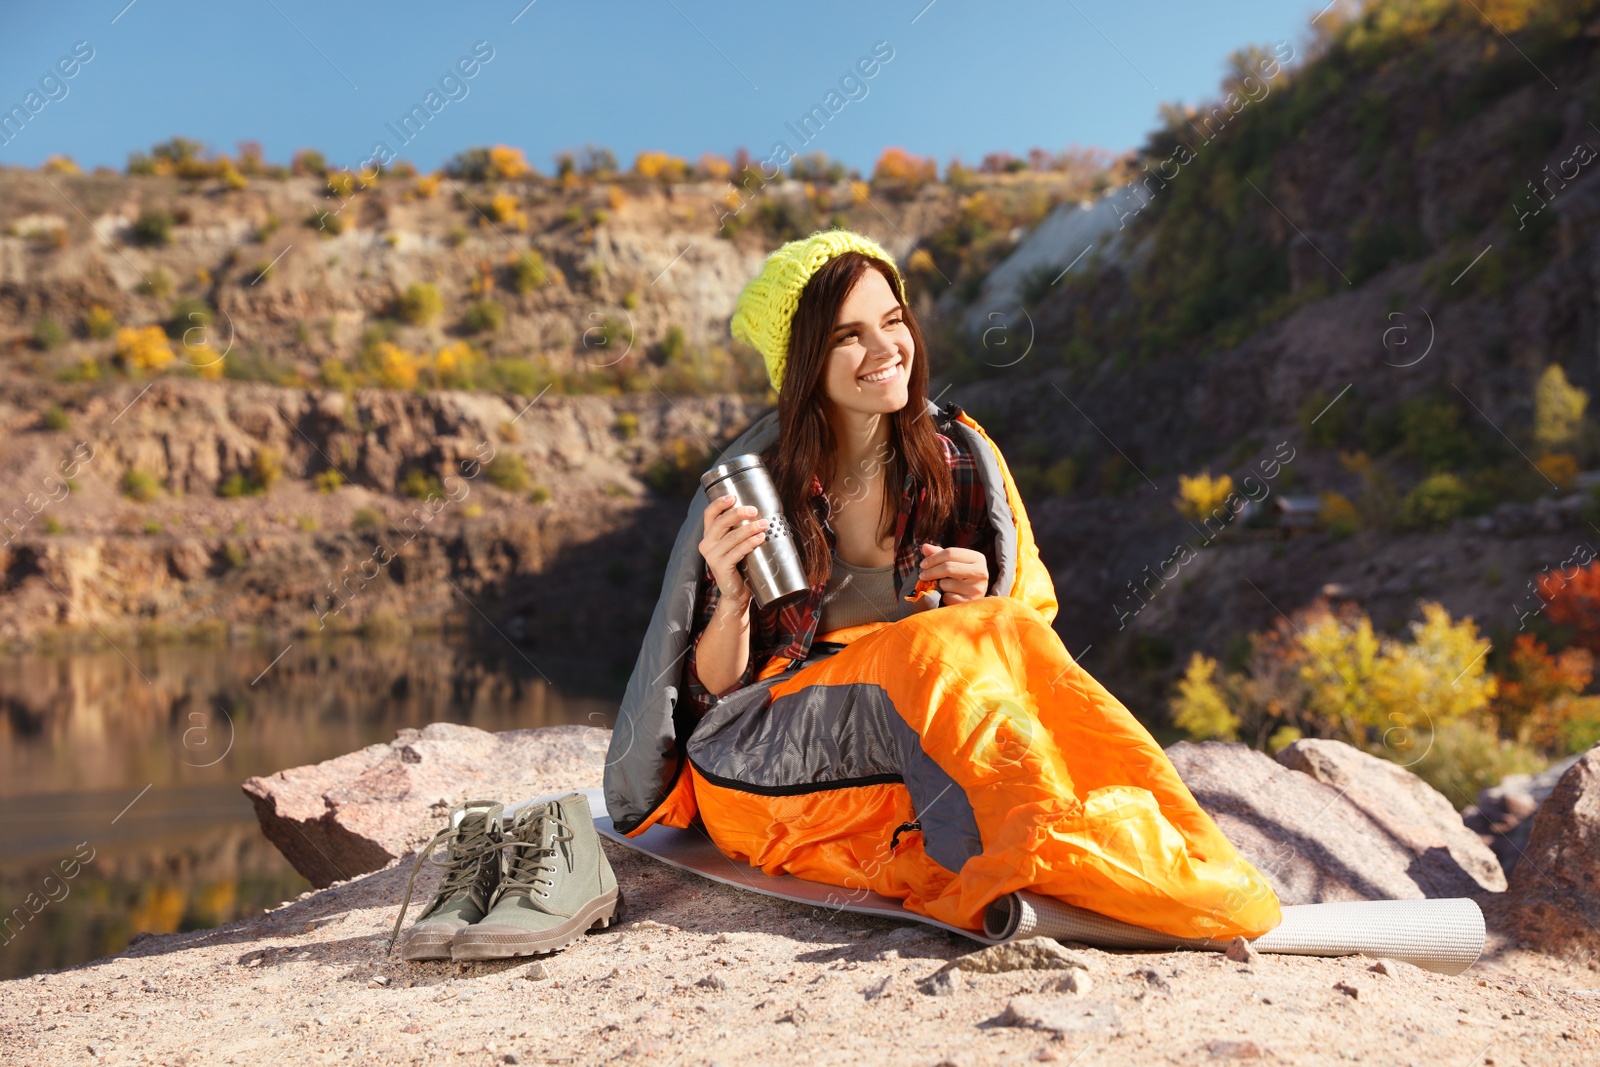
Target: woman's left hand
(962,573)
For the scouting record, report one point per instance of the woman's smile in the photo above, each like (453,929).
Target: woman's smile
(883,374)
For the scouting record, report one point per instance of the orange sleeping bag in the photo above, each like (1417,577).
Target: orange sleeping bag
(958,755)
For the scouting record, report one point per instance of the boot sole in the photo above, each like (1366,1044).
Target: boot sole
(426,944)
(494,942)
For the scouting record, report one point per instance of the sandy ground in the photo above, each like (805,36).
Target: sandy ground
(698,973)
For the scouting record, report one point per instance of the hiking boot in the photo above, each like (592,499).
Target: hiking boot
(555,884)
(471,874)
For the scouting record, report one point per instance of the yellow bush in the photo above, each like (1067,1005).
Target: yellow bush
(660,166)
(61,165)
(1339,512)
(506,209)
(1365,683)
(100,323)
(507,162)
(426,187)
(143,348)
(1560,467)
(342,184)
(457,366)
(715,167)
(397,368)
(1199,708)
(1558,408)
(1200,496)
(206,361)
(921,262)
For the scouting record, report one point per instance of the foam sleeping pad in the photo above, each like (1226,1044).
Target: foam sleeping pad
(1445,935)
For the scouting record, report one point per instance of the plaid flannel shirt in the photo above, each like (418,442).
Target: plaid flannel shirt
(788,630)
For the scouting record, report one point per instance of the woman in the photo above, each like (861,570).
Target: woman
(912,726)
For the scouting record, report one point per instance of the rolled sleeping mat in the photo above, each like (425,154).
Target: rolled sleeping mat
(1444,935)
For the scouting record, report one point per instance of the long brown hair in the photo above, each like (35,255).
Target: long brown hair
(805,446)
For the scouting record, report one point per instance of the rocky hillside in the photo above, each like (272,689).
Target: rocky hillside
(1353,265)
(232,400)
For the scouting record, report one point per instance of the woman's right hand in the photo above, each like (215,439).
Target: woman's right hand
(726,542)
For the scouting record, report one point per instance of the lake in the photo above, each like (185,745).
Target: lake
(120,807)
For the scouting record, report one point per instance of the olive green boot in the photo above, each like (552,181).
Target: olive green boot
(555,884)
(471,875)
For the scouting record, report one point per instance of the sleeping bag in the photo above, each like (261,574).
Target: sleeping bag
(946,759)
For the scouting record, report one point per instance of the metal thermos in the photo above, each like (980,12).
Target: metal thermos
(772,569)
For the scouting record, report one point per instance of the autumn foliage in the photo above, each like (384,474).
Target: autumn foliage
(899,169)
(1574,601)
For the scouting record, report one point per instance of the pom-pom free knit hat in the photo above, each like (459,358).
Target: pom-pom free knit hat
(766,306)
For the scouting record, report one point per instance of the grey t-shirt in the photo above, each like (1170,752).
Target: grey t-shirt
(859,594)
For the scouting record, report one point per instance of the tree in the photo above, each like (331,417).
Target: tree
(1200,707)
(1539,693)
(1574,600)
(1558,408)
(1200,496)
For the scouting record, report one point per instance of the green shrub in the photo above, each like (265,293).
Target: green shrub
(486,316)
(1431,431)
(539,494)
(366,519)
(520,376)
(99,323)
(158,283)
(328,481)
(529,272)
(420,304)
(1037,480)
(265,231)
(508,472)
(1462,757)
(188,314)
(421,485)
(236,485)
(675,345)
(140,485)
(55,418)
(53,525)
(48,334)
(306,523)
(153,227)
(1437,500)
(268,467)
(627,425)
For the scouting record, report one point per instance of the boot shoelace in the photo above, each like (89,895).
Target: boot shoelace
(529,868)
(462,865)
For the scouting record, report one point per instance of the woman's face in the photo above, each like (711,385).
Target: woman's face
(870,352)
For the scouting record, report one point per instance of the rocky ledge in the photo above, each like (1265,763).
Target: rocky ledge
(699,972)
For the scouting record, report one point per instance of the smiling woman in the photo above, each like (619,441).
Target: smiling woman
(927,738)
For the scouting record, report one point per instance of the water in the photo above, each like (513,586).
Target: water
(120,808)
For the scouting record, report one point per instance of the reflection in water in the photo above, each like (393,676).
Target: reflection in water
(136,763)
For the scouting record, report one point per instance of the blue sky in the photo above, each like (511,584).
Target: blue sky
(682,76)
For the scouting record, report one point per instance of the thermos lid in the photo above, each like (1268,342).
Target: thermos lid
(728,467)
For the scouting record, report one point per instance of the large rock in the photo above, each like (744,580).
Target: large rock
(1555,889)
(354,814)
(1310,840)
(1416,815)
(1503,815)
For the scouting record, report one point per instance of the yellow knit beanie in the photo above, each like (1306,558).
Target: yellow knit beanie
(766,306)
